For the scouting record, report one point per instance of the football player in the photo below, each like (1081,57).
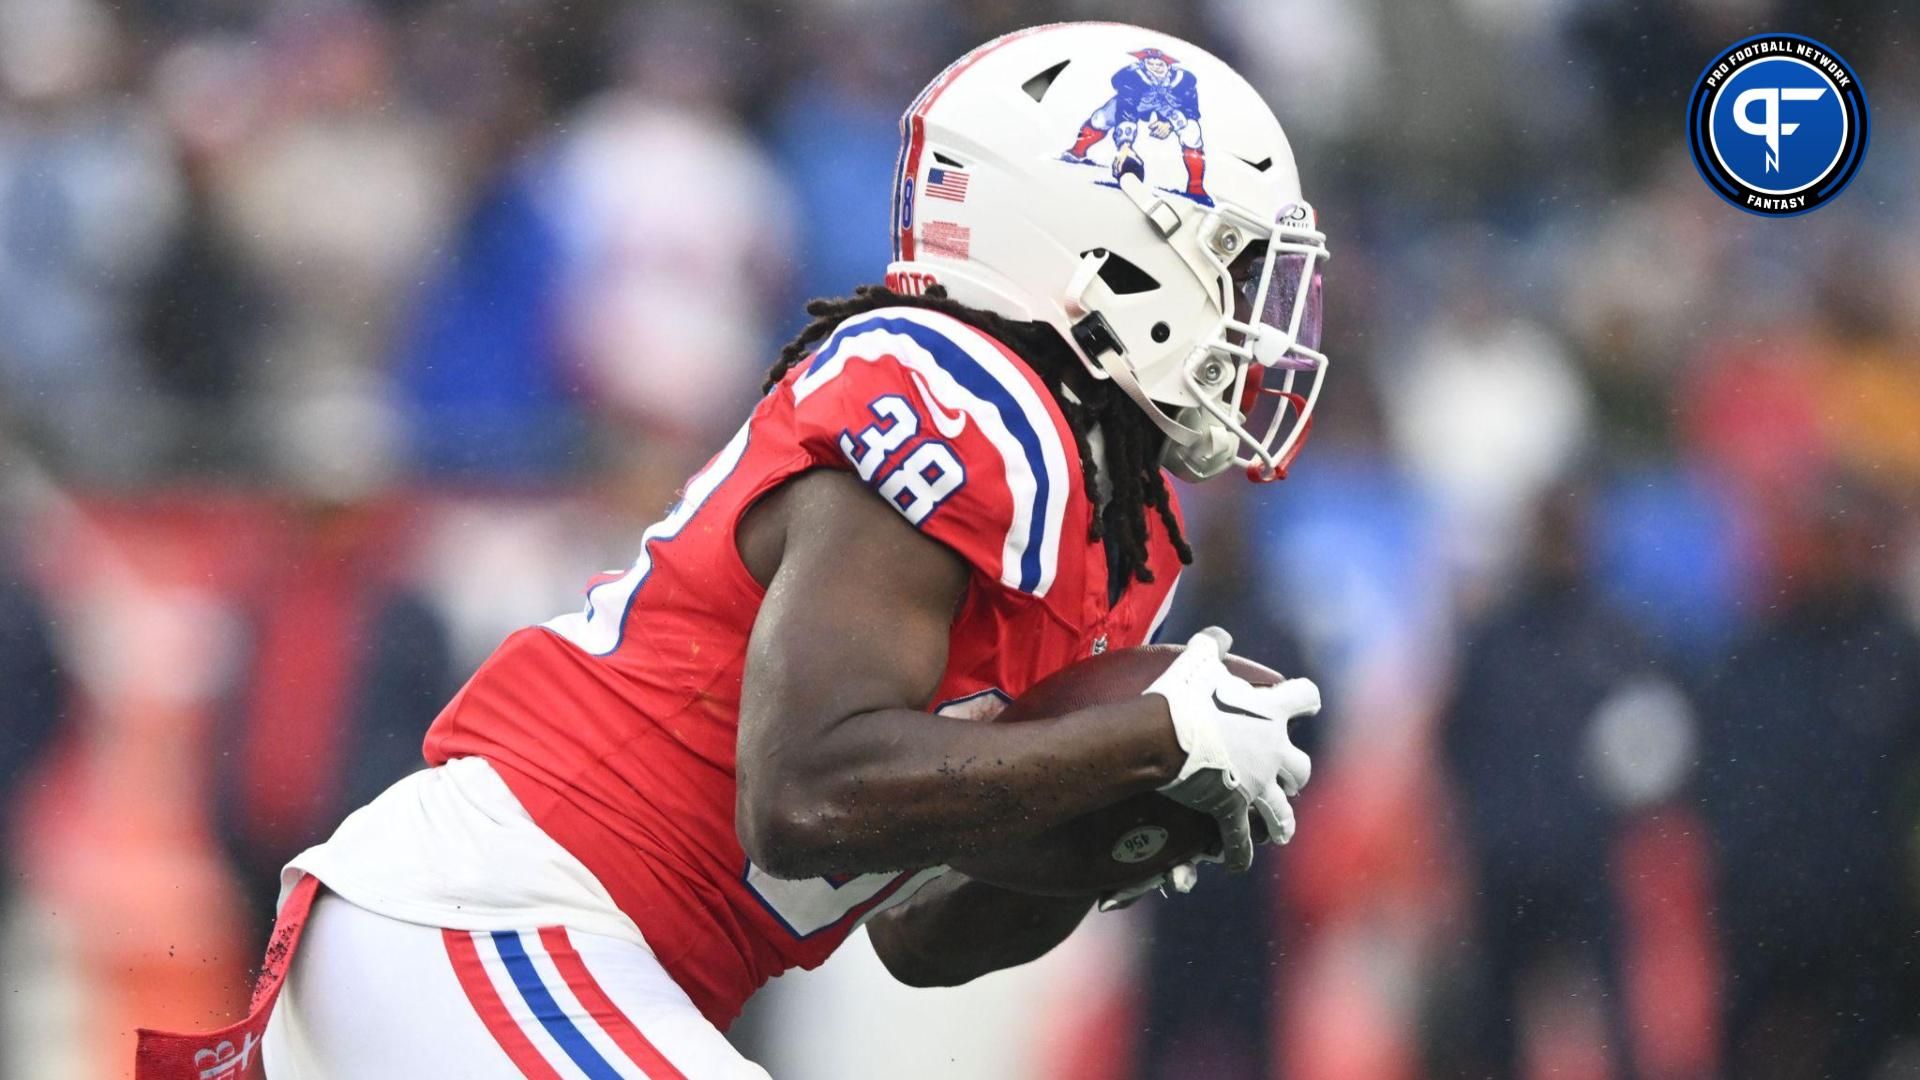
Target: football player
(766,731)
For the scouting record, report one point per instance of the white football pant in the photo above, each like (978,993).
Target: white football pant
(374,998)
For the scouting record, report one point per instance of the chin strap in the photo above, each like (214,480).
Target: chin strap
(1193,454)
(1096,338)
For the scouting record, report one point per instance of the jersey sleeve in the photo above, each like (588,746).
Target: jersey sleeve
(949,429)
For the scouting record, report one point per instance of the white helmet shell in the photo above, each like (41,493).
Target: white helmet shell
(1135,192)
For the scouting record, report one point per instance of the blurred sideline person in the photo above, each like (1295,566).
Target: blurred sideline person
(1811,749)
(34,714)
(348,669)
(631,261)
(766,731)
(1549,683)
(35,696)
(89,197)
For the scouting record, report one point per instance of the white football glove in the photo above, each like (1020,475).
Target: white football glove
(1240,757)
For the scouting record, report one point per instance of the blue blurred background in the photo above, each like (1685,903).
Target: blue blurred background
(337,339)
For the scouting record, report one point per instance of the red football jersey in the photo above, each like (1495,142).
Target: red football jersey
(616,726)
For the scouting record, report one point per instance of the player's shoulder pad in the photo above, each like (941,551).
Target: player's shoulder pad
(955,432)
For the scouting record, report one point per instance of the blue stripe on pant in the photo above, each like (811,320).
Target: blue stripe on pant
(548,1011)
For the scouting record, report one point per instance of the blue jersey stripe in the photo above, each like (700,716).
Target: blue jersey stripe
(548,1011)
(971,374)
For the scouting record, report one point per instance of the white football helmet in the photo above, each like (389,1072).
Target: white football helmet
(1135,192)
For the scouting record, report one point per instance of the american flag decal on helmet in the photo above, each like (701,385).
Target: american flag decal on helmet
(949,184)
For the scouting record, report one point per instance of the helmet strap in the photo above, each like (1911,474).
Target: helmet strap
(1095,337)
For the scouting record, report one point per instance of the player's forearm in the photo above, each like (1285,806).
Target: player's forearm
(957,929)
(895,788)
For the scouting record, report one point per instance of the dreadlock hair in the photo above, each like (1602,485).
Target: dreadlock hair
(1131,445)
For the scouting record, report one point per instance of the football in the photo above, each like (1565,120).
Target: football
(1129,841)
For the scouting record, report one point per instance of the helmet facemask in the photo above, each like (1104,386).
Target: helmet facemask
(1264,285)
(1273,329)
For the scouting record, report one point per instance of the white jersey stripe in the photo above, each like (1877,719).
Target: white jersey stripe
(965,372)
(1166,607)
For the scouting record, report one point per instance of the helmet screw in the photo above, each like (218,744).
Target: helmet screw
(1229,241)
(1212,372)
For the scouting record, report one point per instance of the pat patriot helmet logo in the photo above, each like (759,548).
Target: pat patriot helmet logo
(1778,124)
(1155,97)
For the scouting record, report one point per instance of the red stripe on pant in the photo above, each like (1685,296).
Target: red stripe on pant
(602,1009)
(493,1012)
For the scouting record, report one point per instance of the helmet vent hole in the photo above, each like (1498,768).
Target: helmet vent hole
(1124,278)
(942,159)
(1038,86)
(1161,332)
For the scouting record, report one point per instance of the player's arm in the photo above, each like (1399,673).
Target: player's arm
(957,929)
(840,770)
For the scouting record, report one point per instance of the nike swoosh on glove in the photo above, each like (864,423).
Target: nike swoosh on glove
(1240,757)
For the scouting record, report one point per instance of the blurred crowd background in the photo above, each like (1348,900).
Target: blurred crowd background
(339,337)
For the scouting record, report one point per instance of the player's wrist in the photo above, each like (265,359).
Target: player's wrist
(1198,743)
(1164,755)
